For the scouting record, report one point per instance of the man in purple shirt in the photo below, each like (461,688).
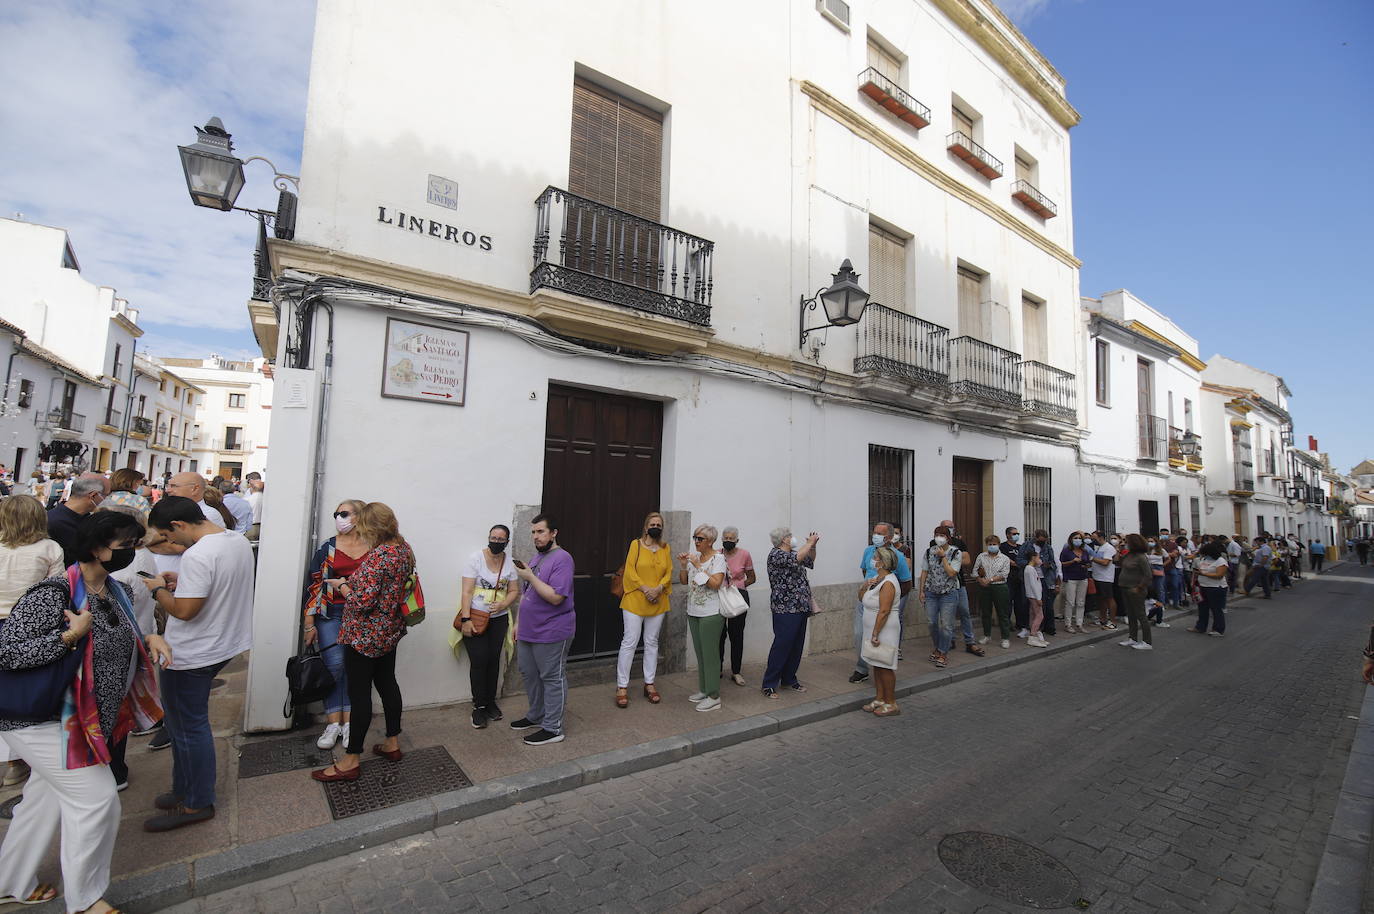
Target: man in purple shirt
(543,633)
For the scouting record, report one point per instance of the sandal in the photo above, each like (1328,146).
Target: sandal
(651,693)
(975,650)
(797,687)
(886,710)
(45,892)
(872,706)
(770,693)
(939,660)
(622,698)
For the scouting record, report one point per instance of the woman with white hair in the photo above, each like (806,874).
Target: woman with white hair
(790,599)
(704,571)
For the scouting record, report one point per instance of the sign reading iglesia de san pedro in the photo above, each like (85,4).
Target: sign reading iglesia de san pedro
(425,362)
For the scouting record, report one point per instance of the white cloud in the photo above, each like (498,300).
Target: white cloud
(97,98)
(1022,11)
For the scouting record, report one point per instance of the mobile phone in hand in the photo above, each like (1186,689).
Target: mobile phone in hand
(144,574)
(518,564)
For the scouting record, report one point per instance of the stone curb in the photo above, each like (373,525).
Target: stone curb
(257,860)
(1344,867)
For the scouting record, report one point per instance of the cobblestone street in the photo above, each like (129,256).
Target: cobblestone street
(1199,777)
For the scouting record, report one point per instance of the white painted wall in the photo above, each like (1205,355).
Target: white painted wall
(219,378)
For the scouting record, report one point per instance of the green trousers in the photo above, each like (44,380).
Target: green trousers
(1000,596)
(705,631)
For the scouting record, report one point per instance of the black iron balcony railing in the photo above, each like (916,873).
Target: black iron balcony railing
(1033,200)
(1245,478)
(985,372)
(893,98)
(1048,391)
(140,425)
(977,158)
(899,345)
(64,419)
(597,251)
(1150,435)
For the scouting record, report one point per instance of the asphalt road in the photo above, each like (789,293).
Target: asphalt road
(1197,777)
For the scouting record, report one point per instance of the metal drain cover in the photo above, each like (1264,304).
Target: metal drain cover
(7,807)
(422,773)
(1009,869)
(273,756)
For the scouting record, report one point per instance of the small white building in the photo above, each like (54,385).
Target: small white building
(1143,454)
(161,430)
(233,417)
(582,292)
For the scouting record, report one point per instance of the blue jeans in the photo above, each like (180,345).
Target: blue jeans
(784,657)
(940,612)
(965,617)
(327,631)
(1173,587)
(186,706)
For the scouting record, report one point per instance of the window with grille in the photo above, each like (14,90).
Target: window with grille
(1104,373)
(1036,481)
(1195,511)
(891,486)
(886,268)
(1106,514)
(1174,519)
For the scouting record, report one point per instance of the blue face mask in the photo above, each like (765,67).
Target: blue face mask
(1078,542)
(1016,537)
(994,549)
(877,539)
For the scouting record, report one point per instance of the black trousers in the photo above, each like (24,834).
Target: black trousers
(363,673)
(1047,602)
(484,660)
(118,767)
(734,628)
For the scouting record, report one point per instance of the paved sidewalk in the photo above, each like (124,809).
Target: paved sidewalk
(285,819)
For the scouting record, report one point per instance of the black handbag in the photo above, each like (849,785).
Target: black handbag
(36,694)
(307,680)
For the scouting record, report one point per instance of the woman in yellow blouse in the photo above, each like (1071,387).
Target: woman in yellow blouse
(647,581)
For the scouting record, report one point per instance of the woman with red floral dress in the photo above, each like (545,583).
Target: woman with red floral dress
(373,626)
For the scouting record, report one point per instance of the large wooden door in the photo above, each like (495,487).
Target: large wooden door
(1149,518)
(968,502)
(602,456)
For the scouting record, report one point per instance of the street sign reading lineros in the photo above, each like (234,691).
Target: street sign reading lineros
(425,362)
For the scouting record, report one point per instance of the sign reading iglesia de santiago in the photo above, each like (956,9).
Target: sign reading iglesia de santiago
(425,362)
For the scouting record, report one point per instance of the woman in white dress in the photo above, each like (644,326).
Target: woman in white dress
(879,597)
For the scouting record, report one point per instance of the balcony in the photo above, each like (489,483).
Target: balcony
(1245,480)
(900,346)
(595,251)
(1178,446)
(141,425)
(112,419)
(230,445)
(1150,437)
(1048,391)
(893,98)
(984,372)
(974,156)
(1033,200)
(62,420)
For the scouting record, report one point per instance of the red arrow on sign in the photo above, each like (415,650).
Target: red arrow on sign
(430,393)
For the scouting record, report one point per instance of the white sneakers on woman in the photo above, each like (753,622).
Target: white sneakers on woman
(696,697)
(708,704)
(332,735)
(1129,642)
(1142,646)
(1037,640)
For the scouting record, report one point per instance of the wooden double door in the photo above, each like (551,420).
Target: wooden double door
(602,457)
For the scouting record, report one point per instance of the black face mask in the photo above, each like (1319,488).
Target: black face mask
(728,545)
(1040,542)
(546,547)
(119,560)
(654,532)
(496,548)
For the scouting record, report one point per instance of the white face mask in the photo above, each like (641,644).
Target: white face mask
(877,539)
(795,542)
(940,540)
(343,524)
(1078,542)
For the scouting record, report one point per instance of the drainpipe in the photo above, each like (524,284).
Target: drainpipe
(16,348)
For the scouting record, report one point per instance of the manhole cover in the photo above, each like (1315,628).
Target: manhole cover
(1009,869)
(273,756)
(7,807)
(422,773)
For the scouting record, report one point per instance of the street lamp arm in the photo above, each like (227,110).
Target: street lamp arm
(279,178)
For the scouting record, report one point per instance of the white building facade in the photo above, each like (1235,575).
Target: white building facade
(590,304)
(232,417)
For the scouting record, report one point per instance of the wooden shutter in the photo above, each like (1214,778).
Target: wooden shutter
(970,303)
(1034,343)
(886,268)
(1024,170)
(884,62)
(962,122)
(616,153)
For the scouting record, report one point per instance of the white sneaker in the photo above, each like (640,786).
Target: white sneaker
(1216,634)
(1162,625)
(1037,641)
(985,639)
(696,696)
(1129,642)
(329,737)
(1023,633)
(1005,644)
(709,704)
(1142,646)
(343,737)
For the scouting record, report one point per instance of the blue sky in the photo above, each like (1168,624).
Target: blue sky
(1221,171)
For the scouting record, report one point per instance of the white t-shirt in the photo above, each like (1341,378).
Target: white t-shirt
(219,568)
(211,514)
(1233,552)
(702,601)
(488,587)
(1032,578)
(1104,573)
(1204,564)
(166,563)
(254,500)
(145,609)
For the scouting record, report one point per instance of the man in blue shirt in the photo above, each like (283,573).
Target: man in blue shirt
(882,536)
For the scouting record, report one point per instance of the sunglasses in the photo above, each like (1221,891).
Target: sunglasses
(343,513)
(699,539)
